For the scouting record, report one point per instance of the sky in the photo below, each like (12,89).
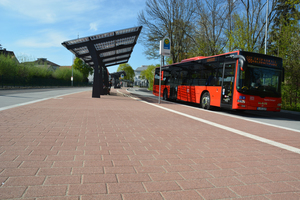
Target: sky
(36,28)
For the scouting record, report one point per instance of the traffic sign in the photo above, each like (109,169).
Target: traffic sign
(165,47)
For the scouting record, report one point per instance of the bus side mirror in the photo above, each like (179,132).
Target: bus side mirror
(242,61)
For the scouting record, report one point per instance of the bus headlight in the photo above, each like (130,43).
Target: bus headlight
(241,101)
(279,104)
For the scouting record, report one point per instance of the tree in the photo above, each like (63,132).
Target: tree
(285,36)
(82,67)
(128,70)
(168,18)
(149,74)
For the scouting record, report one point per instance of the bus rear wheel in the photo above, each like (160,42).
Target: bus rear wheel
(205,101)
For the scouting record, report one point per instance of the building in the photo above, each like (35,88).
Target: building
(9,54)
(138,79)
(41,62)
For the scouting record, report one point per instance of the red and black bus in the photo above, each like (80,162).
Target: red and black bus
(236,80)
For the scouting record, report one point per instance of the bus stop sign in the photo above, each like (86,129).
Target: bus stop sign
(165,47)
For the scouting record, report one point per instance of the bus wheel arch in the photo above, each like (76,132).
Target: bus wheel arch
(205,100)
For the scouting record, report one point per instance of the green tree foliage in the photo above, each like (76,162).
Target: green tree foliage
(284,42)
(8,67)
(65,73)
(128,70)
(149,74)
(82,67)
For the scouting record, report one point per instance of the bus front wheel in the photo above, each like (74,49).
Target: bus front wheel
(205,101)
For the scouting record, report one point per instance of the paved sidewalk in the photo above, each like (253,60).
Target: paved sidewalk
(78,147)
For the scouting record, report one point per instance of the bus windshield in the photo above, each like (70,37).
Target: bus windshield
(259,81)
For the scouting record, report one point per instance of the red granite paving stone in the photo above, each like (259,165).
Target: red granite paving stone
(87,189)
(133,178)
(229,165)
(10,164)
(289,196)
(255,197)
(60,180)
(248,171)
(60,158)
(166,157)
(179,195)
(208,166)
(204,160)
(99,178)
(30,158)
(250,190)
(150,169)
(252,179)
(12,172)
(7,157)
(141,157)
(119,163)
(276,177)
(119,188)
(67,164)
(11,192)
(272,169)
(178,168)
(102,197)
(67,153)
(153,162)
(98,163)
(291,168)
(225,181)
(161,186)
(278,187)
(144,196)
(165,176)
(24,181)
(119,170)
(45,191)
(195,175)
(217,193)
(122,152)
(59,198)
(115,157)
(14,152)
(194,184)
(54,171)
(180,161)
(88,157)
(96,152)
(36,164)
(295,184)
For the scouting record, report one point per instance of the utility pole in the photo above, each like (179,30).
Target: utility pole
(266,36)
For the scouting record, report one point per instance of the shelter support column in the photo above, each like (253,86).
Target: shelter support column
(98,82)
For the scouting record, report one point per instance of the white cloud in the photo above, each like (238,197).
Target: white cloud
(44,39)
(94,26)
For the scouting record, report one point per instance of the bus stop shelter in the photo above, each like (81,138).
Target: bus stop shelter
(116,76)
(102,51)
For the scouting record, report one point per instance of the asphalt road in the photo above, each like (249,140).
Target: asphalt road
(287,119)
(13,98)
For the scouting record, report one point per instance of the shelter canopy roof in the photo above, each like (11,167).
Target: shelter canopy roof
(112,48)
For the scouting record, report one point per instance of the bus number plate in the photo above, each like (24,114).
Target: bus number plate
(261,108)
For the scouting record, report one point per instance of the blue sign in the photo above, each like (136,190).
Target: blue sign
(167,43)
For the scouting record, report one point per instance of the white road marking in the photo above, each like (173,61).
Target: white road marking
(242,133)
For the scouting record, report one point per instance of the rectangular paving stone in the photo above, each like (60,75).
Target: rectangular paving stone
(44,191)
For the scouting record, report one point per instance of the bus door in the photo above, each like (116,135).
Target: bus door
(227,85)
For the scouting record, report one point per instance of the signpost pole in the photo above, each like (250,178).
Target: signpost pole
(161,56)
(165,48)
